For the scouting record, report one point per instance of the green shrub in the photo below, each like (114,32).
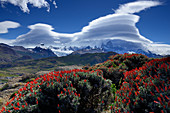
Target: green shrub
(118,64)
(145,89)
(4,87)
(65,91)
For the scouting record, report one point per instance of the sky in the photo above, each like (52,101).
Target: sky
(77,22)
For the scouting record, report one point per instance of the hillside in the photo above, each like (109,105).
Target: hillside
(16,53)
(52,63)
(143,86)
(7,54)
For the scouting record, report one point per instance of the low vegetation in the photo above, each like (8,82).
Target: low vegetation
(53,63)
(130,83)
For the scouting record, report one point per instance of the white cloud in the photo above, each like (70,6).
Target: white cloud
(42,33)
(5,25)
(121,25)
(162,49)
(23,4)
(54,3)
(113,26)
(6,41)
(135,7)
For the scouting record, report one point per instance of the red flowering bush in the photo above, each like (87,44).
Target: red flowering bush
(145,89)
(65,91)
(114,68)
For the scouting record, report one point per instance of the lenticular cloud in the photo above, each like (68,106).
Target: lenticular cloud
(110,27)
(5,25)
(42,33)
(121,25)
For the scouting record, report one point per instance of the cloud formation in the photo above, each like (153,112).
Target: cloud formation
(113,26)
(118,26)
(135,7)
(162,49)
(42,33)
(5,25)
(23,4)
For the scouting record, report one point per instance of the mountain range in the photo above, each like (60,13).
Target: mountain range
(15,53)
(118,46)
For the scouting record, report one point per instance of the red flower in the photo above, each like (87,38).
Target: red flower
(156,102)
(167,97)
(23,106)
(26,104)
(165,88)
(7,104)
(151,93)
(24,88)
(111,107)
(85,80)
(16,108)
(65,89)
(160,100)
(18,103)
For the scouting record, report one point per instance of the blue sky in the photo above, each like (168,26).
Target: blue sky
(71,16)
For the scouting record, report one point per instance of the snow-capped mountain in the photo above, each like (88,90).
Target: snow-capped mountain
(118,46)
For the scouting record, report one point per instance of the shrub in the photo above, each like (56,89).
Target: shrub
(145,89)
(6,86)
(114,68)
(65,91)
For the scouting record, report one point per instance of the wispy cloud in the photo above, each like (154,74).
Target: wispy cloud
(135,7)
(23,4)
(5,25)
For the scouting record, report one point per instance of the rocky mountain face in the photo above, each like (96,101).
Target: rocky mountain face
(42,52)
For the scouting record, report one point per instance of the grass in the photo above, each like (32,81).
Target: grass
(7,74)
(3,80)
(4,87)
(1,101)
(4,74)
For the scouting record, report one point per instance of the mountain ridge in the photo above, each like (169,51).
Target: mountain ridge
(14,53)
